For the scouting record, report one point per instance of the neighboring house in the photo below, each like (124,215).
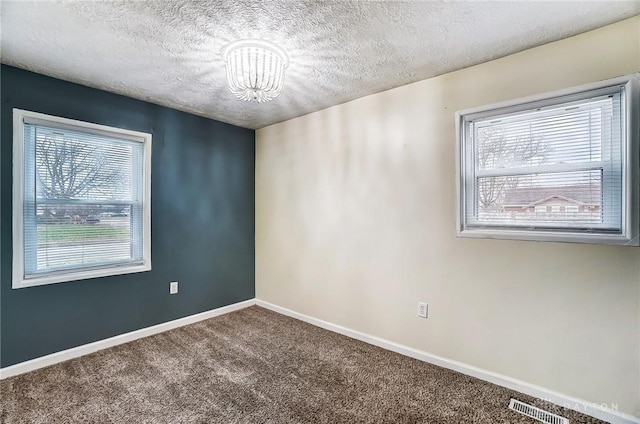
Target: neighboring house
(581,202)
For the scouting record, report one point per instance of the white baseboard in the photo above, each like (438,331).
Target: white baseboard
(65,355)
(569,402)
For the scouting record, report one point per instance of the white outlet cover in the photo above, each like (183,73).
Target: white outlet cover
(173,287)
(423,309)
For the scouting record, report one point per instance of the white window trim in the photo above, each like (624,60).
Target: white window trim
(631,180)
(19,117)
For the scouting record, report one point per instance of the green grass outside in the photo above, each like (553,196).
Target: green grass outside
(61,233)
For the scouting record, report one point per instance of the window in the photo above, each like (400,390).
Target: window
(541,209)
(81,200)
(557,167)
(571,209)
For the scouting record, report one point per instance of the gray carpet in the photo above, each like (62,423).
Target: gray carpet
(255,366)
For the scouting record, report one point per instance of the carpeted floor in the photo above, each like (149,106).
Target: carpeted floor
(255,366)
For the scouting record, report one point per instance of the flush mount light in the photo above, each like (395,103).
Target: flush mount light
(255,69)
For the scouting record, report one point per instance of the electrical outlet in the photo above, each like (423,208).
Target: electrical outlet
(423,309)
(173,287)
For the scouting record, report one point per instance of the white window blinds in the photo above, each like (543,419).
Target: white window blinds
(564,156)
(84,201)
(553,165)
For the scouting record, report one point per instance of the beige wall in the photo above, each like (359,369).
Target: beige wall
(355,223)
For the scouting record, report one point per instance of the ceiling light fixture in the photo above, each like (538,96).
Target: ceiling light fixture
(255,69)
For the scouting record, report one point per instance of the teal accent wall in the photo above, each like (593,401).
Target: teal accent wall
(202,202)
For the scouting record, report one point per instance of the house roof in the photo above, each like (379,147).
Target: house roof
(588,194)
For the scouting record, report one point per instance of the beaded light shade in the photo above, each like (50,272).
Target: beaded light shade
(255,69)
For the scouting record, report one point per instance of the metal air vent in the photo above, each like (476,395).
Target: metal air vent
(536,413)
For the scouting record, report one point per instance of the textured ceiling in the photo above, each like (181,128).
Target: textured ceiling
(168,52)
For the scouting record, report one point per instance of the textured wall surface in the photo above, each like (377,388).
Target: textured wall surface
(355,223)
(169,52)
(202,196)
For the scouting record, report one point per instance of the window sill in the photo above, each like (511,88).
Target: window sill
(19,282)
(550,236)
